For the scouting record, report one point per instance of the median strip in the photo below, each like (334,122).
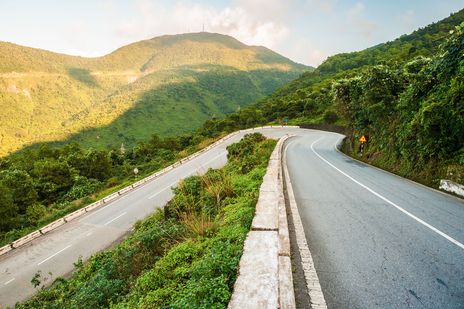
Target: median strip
(127,190)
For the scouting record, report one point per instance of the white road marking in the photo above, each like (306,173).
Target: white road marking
(434,229)
(9,281)
(162,190)
(115,218)
(213,159)
(89,233)
(53,255)
(106,205)
(154,195)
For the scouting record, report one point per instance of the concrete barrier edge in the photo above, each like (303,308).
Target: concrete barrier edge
(452,186)
(265,277)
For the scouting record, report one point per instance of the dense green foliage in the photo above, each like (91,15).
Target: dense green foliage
(167,85)
(410,107)
(43,184)
(406,95)
(183,256)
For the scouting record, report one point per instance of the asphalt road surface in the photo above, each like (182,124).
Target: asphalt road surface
(56,251)
(377,240)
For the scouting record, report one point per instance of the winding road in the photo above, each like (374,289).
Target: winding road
(377,240)
(55,252)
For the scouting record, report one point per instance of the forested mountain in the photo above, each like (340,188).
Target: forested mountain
(406,95)
(166,85)
(411,108)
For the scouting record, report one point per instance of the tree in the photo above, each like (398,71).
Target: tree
(21,185)
(97,165)
(35,212)
(8,210)
(52,178)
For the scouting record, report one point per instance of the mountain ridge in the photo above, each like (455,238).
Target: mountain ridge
(47,96)
(146,45)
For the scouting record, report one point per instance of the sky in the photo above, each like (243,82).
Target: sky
(306,31)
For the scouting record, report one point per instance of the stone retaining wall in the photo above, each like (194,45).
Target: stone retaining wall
(265,273)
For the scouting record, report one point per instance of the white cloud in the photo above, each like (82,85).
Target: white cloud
(240,22)
(276,10)
(356,16)
(356,11)
(304,51)
(325,6)
(83,53)
(408,19)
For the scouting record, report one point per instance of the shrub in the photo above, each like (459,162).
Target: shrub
(35,213)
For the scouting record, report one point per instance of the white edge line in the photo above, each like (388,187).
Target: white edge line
(444,193)
(53,255)
(434,229)
(9,281)
(313,285)
(115,218)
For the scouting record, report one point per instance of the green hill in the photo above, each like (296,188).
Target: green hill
(166,85)
(407,95)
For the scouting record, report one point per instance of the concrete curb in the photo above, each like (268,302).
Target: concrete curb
(312,281)
(265,274)
(452,186)
(76,214)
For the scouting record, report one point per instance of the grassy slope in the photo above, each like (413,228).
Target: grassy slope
(183,256)
(46,96)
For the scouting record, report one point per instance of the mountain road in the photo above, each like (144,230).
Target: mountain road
(377,240)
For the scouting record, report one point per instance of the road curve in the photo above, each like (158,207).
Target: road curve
(377,240)
(56,251)
(368,253)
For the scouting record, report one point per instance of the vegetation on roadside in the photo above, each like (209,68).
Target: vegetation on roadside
(43,184)
(405,95)
(183,256)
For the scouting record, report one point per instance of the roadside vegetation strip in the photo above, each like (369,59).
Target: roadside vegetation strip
(182,256)
(265,274)
(57,223)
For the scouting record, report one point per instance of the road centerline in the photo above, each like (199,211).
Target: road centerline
(162,190)
(53,255)
(9,281)
(114,219)
(434,229)
(213,159)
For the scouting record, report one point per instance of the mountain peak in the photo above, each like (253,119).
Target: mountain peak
(49,96)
